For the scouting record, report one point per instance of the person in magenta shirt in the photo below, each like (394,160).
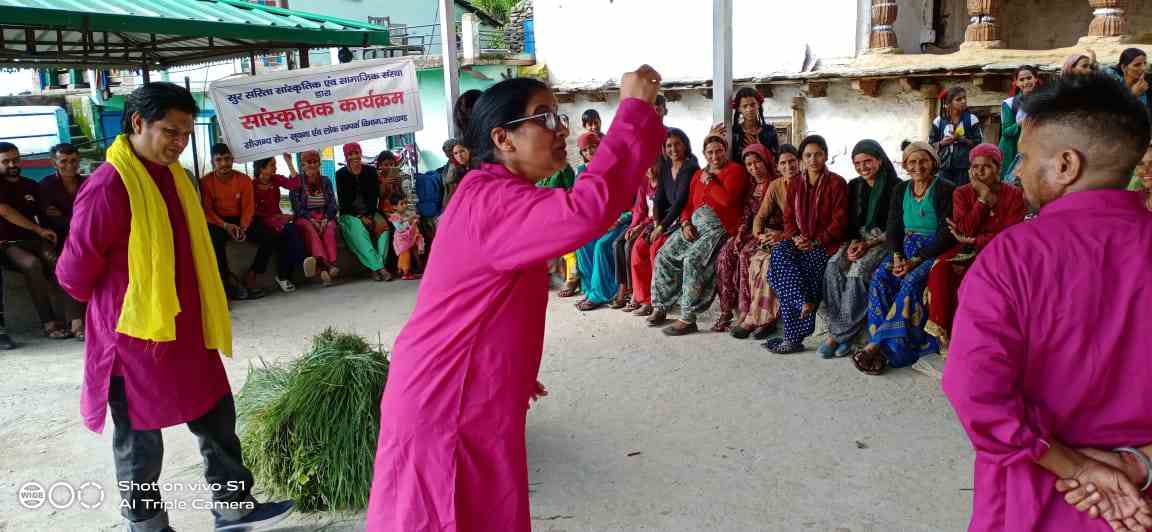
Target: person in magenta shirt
(451,454)
(1050,363)
(151,385)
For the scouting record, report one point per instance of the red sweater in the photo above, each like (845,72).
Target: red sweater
(724,193)
(974,219)
(831,211)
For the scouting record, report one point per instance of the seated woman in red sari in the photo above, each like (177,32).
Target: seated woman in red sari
(815,224)
(685,267)
(980,210)
(732,265)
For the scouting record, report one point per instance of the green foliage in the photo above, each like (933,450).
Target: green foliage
(309,427)
(499,9)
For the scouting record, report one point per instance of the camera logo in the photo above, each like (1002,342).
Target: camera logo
(60,495)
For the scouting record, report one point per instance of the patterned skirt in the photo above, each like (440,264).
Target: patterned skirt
(896,312)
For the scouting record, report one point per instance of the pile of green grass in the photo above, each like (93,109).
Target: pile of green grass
(309,427)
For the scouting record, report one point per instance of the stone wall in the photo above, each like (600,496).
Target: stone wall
(514,29)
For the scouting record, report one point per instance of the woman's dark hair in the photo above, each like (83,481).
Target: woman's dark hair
(589,116)
(1128,56)
(746,92)
(387,155)
(462,110)
(715,139)
(500,104)
(220,149)
(153,101)
(1102,110)
(788,148)
(259,164)
(946,101)
(814,139)
(1015,90)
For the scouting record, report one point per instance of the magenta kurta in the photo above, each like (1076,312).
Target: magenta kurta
(451,453)
(1050,343)
(166,383)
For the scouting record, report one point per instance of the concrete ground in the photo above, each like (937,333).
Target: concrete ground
(641,432)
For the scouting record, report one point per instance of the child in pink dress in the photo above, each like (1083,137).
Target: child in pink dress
(406,237)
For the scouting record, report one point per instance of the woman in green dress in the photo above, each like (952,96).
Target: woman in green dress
(1024,82)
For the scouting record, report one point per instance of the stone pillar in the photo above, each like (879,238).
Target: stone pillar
(882,36)
(984,29)
(1110,20)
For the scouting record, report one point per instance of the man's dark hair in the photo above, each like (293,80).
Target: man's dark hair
(154,100)
(62,148)
(904,145)
(1101,108)
(589,116)
(6,147)
(448,146)
(220,149)
(661,100)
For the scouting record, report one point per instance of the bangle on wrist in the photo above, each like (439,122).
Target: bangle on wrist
(1144,460)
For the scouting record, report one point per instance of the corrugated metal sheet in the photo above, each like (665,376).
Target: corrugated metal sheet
(182,29)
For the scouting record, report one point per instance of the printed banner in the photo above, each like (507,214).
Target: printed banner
(298,110)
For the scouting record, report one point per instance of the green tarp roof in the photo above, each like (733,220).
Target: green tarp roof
(164,32)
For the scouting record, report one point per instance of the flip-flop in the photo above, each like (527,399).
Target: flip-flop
(681,329)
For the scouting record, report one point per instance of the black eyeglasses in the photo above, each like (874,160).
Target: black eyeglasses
(551,120)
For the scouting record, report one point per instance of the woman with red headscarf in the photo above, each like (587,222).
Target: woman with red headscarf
(980,210)
(732,264)
(366,230)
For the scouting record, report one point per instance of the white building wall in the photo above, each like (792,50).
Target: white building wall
(590,42)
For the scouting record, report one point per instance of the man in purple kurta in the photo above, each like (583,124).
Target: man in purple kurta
(150,385)
(1050,365)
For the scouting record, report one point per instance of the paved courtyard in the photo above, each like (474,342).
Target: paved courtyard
(641,432)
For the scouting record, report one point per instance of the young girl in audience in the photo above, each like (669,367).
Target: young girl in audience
(954,133)
(406,238)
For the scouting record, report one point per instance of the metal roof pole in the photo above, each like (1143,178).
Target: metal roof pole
(722,62)
(451,63)
(195,151)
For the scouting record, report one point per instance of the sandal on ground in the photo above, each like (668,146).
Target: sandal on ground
(6,343)
(781,346)
(587,305)
(631,307)
(333,271)
(644,311)
(256,293)
(571,287)
(78,330)
(285,285)
(723,323)
(828,351)
(56,331)
(310,267)
(409,277)
(741,332)
(681,328)
(326,278)
(870,362)
(764,331)
(621,300)
(377,276)
(657,318)
(843,350)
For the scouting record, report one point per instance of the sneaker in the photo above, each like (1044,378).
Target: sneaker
(6,343)
(310,267)
(286,286)
(264,515)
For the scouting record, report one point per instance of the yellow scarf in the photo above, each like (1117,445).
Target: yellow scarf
(150,303)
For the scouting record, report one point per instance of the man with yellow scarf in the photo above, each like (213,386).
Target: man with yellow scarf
(140,255)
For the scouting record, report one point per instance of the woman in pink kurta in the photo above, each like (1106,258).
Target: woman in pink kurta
(451,453)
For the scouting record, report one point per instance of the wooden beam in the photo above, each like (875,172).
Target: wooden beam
(817,89)
(565,97)
(721,91)
(599,96)
(673,95)
(867,86)
(910,84)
